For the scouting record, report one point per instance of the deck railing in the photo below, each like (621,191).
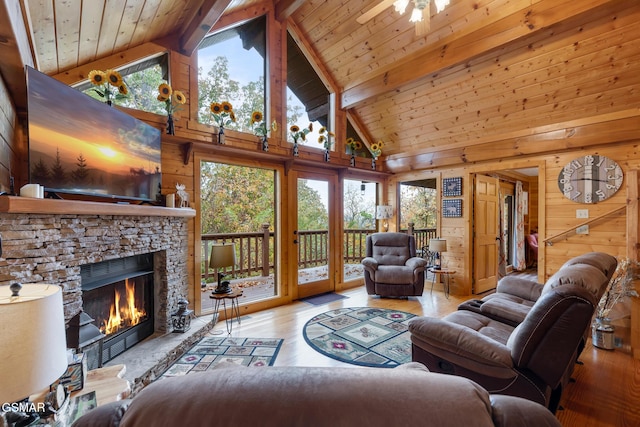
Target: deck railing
(255,251)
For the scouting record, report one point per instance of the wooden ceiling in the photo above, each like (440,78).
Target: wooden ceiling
(490,73)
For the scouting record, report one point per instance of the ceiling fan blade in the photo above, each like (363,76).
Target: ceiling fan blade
(374,11)
(423,27)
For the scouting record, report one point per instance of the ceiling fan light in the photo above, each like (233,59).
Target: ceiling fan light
(416,15)
(441,4)
(401,5)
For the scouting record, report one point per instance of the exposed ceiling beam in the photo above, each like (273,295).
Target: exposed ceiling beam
(480,37)
(15,51)
(286,8)
(197,28)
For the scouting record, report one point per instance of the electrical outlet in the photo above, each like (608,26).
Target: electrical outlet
(582,230)
(582,213)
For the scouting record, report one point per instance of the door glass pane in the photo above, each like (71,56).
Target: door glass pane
(313,230)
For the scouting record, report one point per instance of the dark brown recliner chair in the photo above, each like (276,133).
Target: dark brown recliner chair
(531,360)
(391,267)
(515,295)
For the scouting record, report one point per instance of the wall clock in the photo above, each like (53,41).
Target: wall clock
(590,179)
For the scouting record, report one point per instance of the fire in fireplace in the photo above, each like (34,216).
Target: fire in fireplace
(118,295)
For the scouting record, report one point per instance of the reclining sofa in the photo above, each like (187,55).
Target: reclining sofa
(232,395)
(528,342)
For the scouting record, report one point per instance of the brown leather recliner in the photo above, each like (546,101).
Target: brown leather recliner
(531,360)
(391,267)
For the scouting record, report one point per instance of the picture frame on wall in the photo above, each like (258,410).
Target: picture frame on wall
(452,186)
(452,208)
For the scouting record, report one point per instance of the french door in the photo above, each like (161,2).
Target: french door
(314,239)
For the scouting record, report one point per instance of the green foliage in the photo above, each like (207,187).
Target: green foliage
(143,90)
(312,214)
(418,205)
(358,212)
(236,198)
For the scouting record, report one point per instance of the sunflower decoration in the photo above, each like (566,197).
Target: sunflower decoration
(353,145)
(108,84)
(376,149)
(325,138)
(297,133)
(222,113)
(260,126)
(172,99)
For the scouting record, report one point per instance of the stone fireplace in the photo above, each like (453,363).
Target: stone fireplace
(56,247)
(118,295)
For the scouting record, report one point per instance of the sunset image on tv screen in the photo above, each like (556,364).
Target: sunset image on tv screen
(80,145)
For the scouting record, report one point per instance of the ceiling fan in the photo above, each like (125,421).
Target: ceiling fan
(420,16)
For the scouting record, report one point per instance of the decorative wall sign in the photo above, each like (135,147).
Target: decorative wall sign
(452,208)
(452,187)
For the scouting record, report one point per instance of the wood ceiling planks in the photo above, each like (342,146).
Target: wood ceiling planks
(486,69)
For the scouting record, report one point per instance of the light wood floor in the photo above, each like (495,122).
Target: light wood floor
(606,391)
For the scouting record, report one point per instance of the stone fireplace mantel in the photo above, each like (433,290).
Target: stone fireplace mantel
(13,204)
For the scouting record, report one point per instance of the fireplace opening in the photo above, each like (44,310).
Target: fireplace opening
(118,296)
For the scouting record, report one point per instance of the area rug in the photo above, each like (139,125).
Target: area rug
(210,351)
(362,336)
(323,298)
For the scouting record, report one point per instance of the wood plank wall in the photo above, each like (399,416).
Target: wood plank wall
(554,213)
(10,140)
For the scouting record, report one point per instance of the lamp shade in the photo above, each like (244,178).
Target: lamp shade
(384,212)
(33,346)
(222,255)
(437,245)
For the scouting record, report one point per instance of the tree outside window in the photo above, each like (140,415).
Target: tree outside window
(231,67)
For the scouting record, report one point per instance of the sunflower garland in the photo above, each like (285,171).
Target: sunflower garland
(105,81)
(260,126)
(222,113)
(172,99)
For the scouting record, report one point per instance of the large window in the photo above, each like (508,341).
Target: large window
(142,81)
(308,100)
(359,200)
(237,205)
(418,209)
(231,68)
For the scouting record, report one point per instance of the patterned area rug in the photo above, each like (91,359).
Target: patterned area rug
(210,351)
(361,336)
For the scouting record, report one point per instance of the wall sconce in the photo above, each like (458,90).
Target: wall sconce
(437,246)
(222,255)
(384,213)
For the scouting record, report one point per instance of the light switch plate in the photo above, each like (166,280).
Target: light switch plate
(582,229)
(582,213)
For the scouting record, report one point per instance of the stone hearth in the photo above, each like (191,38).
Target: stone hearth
(50,248)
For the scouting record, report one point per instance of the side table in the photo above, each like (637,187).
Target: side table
(235,307)
(107,382)
(445,274)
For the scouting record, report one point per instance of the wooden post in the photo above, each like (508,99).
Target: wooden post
(633,237)
(265,249)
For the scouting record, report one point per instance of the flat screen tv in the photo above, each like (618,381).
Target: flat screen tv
(79,145)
